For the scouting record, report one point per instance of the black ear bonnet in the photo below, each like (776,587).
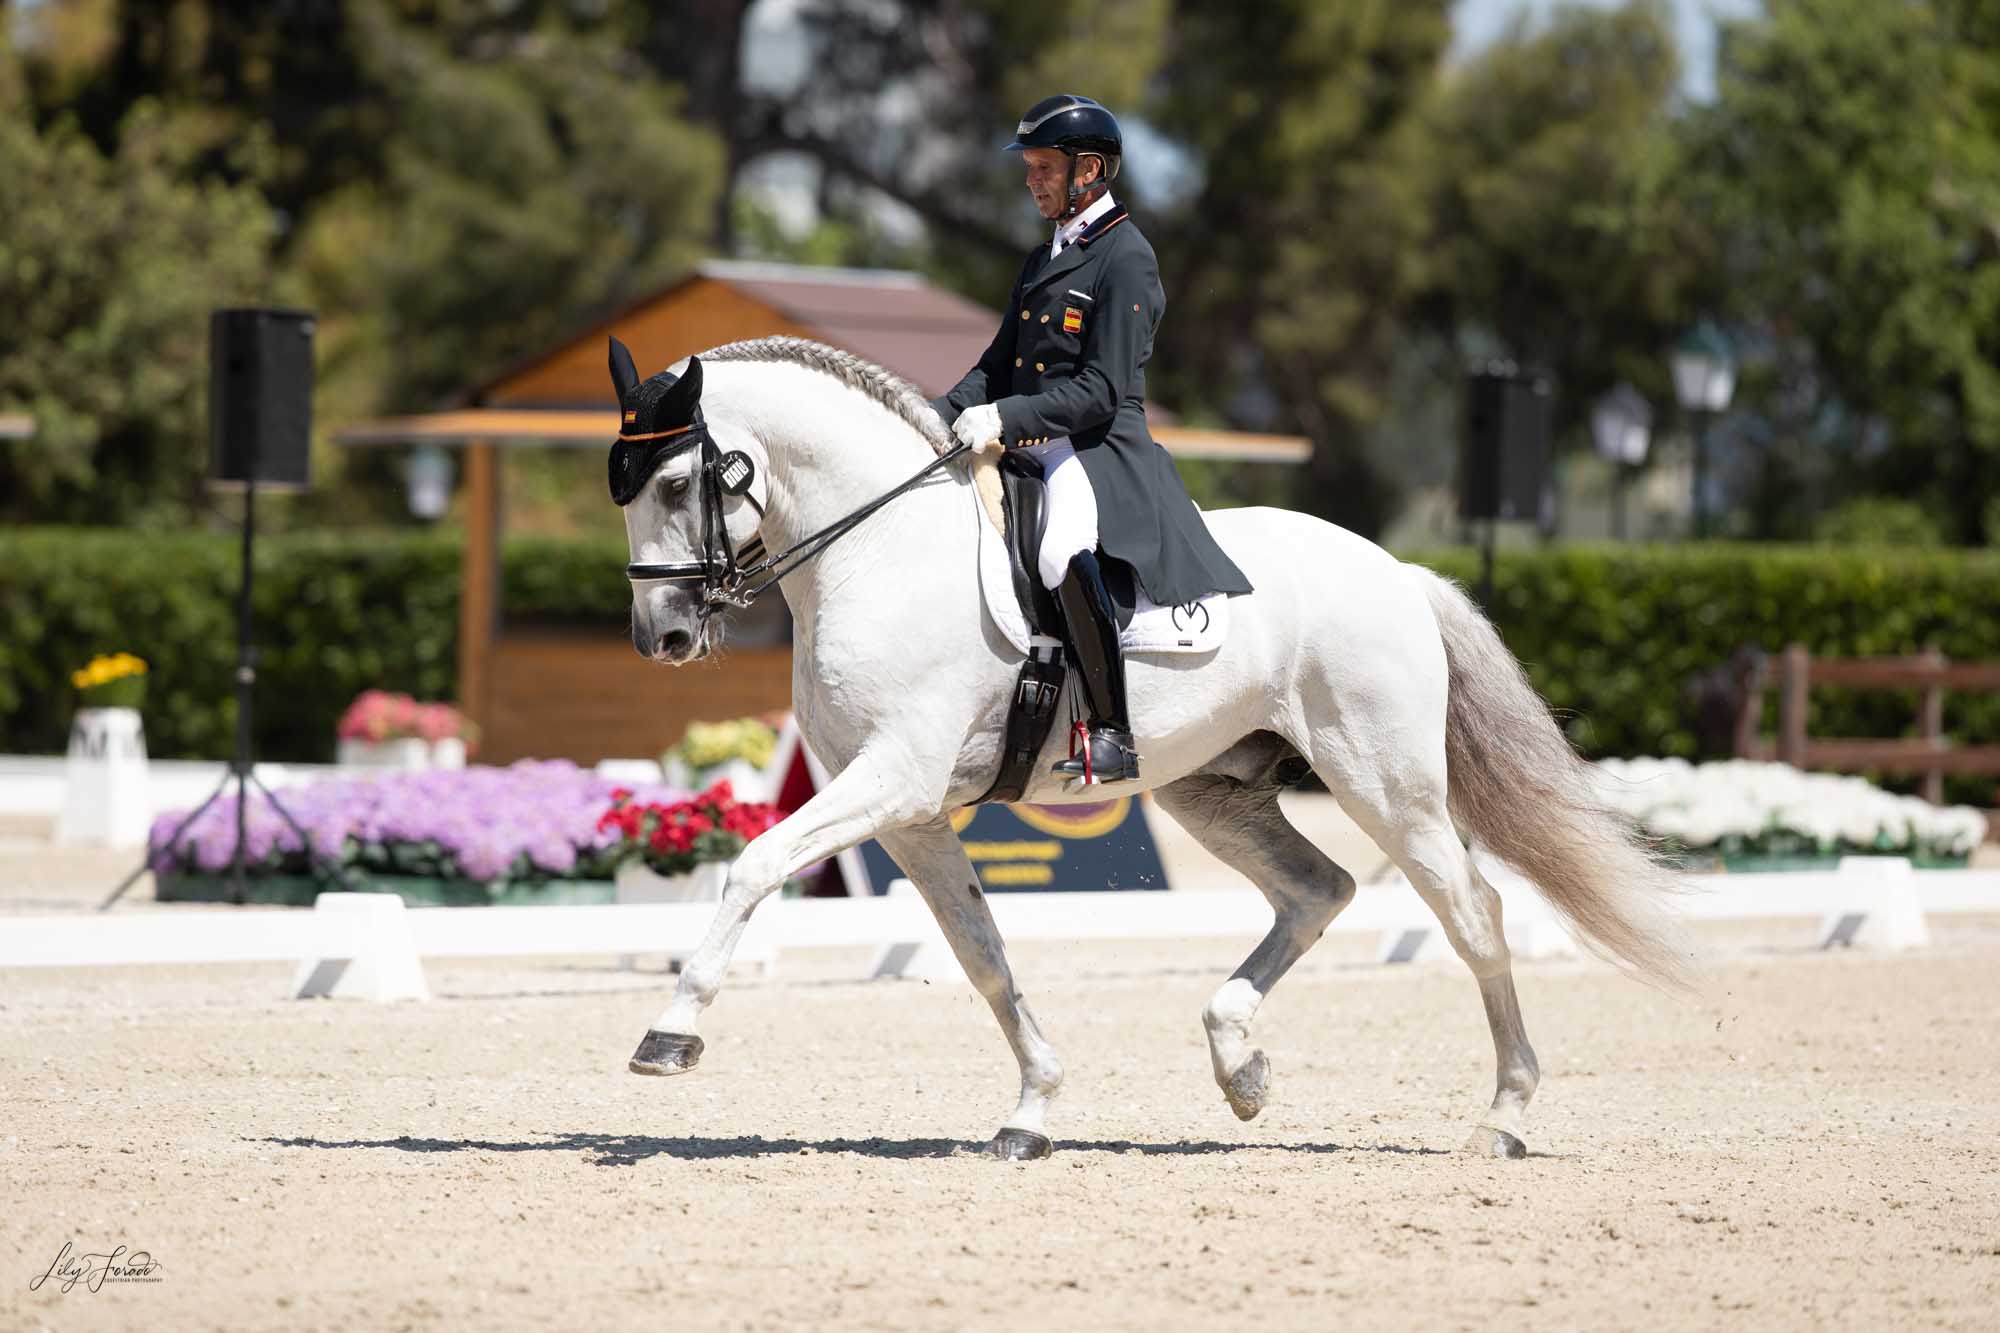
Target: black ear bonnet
(656,420)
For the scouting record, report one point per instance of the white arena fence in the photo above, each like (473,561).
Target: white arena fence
(369,945)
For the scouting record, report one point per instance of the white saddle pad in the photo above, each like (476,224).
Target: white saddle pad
(1199,628)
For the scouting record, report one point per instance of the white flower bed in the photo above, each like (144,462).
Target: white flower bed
(1737,807)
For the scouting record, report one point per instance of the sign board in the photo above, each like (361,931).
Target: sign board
(1088,847)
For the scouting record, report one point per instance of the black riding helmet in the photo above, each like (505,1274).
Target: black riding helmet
(1077,126)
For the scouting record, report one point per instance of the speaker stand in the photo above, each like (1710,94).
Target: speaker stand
(241,769)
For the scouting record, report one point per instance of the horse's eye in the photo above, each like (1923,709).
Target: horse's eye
(678,487)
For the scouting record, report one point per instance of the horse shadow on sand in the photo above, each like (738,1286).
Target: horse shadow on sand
(631,1149)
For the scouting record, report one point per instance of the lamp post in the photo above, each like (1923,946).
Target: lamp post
(1621,423)
(428,474)
(1704,378)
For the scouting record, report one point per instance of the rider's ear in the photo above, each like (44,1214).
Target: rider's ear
(678,403)
(624,375)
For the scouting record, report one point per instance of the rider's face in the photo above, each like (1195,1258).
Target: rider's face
(1048,179)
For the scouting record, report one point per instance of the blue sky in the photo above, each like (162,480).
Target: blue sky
(1478,22)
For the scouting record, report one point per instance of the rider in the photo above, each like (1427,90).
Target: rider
(1065,380)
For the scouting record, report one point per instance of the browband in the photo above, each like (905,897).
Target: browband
(660,434)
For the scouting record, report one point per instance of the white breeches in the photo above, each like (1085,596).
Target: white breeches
(1072,524)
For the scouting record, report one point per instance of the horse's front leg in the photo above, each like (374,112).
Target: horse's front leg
(855,805)
(931,855)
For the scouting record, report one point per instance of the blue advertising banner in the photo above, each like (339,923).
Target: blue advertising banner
(1096,846)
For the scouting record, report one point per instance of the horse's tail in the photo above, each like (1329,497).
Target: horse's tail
(1517,786)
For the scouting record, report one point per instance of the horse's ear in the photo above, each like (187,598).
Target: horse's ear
(624,375)
(677,405)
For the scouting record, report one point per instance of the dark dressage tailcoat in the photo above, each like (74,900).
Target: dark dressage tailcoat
(1070,359)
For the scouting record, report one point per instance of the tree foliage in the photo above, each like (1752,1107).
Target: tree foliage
(109,264)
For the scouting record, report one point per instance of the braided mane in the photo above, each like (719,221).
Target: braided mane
(884,386)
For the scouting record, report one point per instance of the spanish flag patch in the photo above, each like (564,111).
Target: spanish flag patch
(631,417)
(1072,319)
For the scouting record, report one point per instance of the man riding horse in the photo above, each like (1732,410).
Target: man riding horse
(1065,381)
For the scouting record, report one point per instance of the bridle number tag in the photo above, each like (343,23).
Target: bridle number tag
(736,472)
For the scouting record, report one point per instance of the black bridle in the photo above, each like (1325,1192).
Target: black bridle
(725,577)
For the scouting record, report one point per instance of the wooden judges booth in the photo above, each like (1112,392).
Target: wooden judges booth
(546,694)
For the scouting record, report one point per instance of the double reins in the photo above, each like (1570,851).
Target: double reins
(730,587)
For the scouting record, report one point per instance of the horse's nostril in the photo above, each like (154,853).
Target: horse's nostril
(675,643)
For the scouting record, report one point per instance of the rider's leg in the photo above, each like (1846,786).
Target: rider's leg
(1072,517)
(1109,753)
(1068,566)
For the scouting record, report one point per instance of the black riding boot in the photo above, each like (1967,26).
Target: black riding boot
(1109,754)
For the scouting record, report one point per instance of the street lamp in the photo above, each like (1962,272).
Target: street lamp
(1704,378)
(428,474)
(1621,422)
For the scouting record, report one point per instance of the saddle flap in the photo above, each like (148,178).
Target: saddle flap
(1024,497)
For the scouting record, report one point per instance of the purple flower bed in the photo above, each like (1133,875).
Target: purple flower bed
(536,819)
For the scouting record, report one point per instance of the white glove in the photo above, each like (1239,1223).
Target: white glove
(978,428)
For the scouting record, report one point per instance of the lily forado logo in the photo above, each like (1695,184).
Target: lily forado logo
(92,1271)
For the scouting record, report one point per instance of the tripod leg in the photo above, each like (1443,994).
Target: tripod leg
(314,857)
(172,838)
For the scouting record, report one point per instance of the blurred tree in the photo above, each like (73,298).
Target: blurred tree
(1853,155)
(109,264)
(1292,268)
(1877,520)
(1561,232)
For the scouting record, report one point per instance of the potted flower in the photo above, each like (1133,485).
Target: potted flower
(679,851)
(735,751)
(105,797)
(385,730)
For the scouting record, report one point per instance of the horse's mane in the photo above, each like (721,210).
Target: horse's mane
(884,386)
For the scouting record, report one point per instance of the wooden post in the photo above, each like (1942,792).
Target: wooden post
(1750,712)
(1795,690)
(479,581)
(1932,719)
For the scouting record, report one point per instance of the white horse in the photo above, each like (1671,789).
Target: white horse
(1379,675)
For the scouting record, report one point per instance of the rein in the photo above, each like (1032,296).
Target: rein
(729,586)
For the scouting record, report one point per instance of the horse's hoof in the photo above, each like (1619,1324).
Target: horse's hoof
(1487,1141)
(1249,1086)
(1019,1145)
(663,1053)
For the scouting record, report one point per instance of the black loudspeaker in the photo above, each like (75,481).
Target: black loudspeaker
(1503,455)
(260,385)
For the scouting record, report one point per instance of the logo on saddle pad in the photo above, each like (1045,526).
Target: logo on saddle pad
(1072,319)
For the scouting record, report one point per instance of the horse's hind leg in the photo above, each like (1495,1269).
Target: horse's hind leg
(1416,832)
(1238,819)
(931,855)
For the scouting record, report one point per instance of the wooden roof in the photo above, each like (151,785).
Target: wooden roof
(927,335)
(898,320)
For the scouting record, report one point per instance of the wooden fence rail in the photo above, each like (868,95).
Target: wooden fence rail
(1795,672)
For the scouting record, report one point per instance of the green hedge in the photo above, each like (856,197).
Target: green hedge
(1610,634)
(334,615)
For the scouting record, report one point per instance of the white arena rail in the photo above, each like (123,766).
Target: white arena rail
(370,945)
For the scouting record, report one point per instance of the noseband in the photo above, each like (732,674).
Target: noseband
(725,578)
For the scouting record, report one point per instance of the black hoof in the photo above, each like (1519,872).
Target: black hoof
(1487,1141)
(663,1053)
(1248,1087)
(1019,1145)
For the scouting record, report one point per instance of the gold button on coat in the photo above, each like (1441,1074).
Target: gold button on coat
(1024,314)
(1017,360)
(1045,319)
(1040,366)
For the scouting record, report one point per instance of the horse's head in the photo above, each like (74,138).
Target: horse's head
(692,493)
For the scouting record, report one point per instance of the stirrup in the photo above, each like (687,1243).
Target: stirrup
(1104,755)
